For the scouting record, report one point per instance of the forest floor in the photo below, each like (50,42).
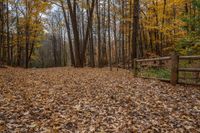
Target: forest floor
(93,100)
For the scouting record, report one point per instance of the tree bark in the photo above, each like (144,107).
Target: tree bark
(89,26)
(109,37)
(68,34)
(99,32)
(72,11)
(8,34)
(27,34)
(136,11)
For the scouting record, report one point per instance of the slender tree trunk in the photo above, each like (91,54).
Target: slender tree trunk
(64,49)
(32,45)
(11,49)
(18,37)
(156,31)
(163,22)
(123,35)
(8,34)
(27,34)
(109,37)
(115,38)
(130,26)
(92,61)
(104,53)
(99,32)
(54,42)
(136,10)
(89,26)
(1,30)
(70,41)
(72,11)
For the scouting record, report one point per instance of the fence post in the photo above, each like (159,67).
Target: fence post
(174,68)
(135,68)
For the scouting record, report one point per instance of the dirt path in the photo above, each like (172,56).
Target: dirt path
(93,100)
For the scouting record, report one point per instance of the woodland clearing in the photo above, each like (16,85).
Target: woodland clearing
(93,100)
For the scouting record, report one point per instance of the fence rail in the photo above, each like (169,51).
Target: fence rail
(189,57)
(189,69)
(175,69)
(154,59)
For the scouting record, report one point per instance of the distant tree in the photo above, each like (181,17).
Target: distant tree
(190,44)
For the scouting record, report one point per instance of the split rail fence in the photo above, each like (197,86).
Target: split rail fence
(175,67)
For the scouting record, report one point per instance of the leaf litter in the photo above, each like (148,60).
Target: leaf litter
(86,100)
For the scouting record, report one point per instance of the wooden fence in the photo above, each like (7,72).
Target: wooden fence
(175,68)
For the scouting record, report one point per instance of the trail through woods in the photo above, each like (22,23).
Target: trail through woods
(93,100)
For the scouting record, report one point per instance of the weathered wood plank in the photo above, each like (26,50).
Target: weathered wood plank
(135,68)
(189,57)
(174,69)
(189,69)
(153,59)
(184,83)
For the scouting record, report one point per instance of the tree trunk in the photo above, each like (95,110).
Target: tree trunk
(8,34)
(99,32)
(27,34)
(89,26)
(54,50)
(18,37)
(136,9)
(72,11)
(109,37)
(1,30)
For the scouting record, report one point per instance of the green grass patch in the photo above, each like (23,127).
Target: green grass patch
(156,73)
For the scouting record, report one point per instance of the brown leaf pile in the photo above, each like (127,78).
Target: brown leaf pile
(93,100)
